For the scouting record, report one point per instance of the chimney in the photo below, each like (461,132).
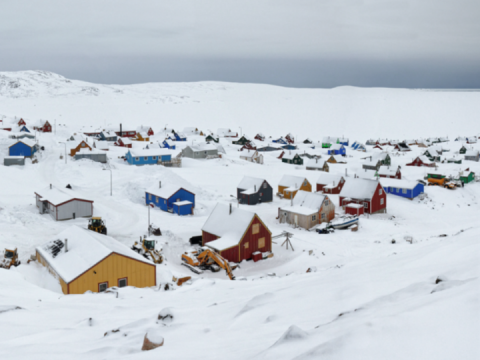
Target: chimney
(255,188)
(50,186)
(334,184)
(230,211)
(159,184)
(121,134)
(66,245)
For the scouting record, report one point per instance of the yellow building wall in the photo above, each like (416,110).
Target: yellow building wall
(110,270)
(291,194)
(42,261)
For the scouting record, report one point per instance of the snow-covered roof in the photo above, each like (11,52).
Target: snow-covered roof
(387,171)
(202,147)
(367,174)
(27,142)
(143,128)
(166,191)
(125,140)
(85,249)
(149,152)
(314,163)
(327,179)
(467,153)
(359,188)
(229,227)
(306,203)
(355,206)
(375,158)
(249,184)
(143,134)
(109,134)
(425,160)
(56,196)
(403,184)
(183,202)
(87,151)
(292,181)
(336,147)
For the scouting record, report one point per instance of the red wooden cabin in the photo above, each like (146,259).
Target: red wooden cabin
(368,193)
(235,233)
(21,122)
(123,143)
(260,137)
(330,183)
(43,126)
(422,161)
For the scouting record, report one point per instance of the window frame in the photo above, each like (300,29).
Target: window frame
(255,229)
(262,239)
(102,283)
(126,282)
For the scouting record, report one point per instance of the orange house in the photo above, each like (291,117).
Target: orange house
(289,186)
(81,145)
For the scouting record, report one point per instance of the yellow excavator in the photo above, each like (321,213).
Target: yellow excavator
(146,247)
(206,259)
(10,258)
(98,225)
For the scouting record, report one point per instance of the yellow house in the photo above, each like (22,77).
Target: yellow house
(289,186)
(83,260)
(142,136)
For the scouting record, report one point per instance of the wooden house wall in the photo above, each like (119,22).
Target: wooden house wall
(252,240)
(207,237)
(111,269)
(43,262)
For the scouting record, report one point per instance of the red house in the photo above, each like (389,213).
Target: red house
(368,193)
(236,234)
(248,146)
(290,139)
(145,129)
(128,133)
(42,126)
(330,183)
(422,161)
(260,137)
(387,172)
(123,142)
(354,209)
(21,122)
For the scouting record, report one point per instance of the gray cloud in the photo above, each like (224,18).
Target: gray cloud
(306,43)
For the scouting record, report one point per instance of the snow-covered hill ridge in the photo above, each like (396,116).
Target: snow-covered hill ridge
(273,110)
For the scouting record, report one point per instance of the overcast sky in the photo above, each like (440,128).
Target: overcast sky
(299,43)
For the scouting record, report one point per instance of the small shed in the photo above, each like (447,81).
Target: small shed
(171,198)
(14,160)
(253,191)
(84,261)
(62,205)
(236,233)
(24,147)
(467,177)
(354,209)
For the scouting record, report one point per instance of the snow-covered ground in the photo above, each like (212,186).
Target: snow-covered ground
(367,299)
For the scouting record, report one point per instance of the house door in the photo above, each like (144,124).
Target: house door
(44,207)
(296,220)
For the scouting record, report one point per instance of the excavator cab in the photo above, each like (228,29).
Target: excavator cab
(98,225)
(9,254)
(149,244)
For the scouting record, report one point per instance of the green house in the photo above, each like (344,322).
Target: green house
(211,138)
(296,159)
(468,178)
(454,161)
(242,141)
(463,150)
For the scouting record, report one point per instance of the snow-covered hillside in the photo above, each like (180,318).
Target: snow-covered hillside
(376,112)
(366,296)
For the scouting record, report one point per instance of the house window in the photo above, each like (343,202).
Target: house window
(404,191)
(365,205)
(245,245)
(326,202)
(102,286)
(149,196)
(381,201)
(264,185)
(255,229)
(136,159)
(122,282)
(261,243)
(145,158)
(154,158)
(305,183)
(380,192)
(323,216)
(314,217)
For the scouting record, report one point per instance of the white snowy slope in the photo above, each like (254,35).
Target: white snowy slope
(365,297)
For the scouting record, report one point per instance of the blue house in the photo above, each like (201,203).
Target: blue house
(147,156)
(179,137)
(343,141)
(23,147)
(280,140)
(354,144)
(337,149)
(289,147)
(108,136)
(23,128)
(171,198)
(167,144)
(403,188)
